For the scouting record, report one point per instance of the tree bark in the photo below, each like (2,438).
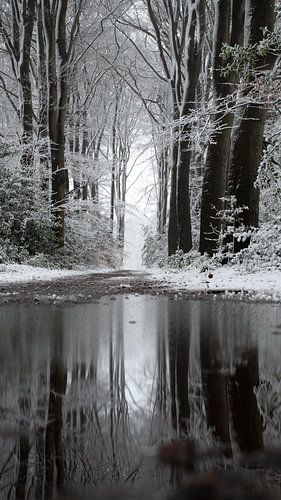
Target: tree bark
(183,205)
(173,222)
(28,17)
(248,141)
(180,48)
(162,202)
(215,171)
(18,46)
(184,83)
(114,164)
(57,55)
(43,103)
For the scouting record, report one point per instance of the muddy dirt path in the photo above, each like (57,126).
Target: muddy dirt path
(80,289)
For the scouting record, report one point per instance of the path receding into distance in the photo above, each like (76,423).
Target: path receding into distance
(77,289)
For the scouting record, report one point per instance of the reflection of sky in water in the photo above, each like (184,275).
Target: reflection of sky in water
(86,328)
(27,330)
(29,333)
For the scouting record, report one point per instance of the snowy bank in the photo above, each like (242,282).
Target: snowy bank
(228,281)
(19,273)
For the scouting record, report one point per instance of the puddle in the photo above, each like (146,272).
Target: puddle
(99,385)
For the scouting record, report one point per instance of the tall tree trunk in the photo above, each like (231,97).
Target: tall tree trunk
(18,45)
(84,152)
(184,84)
(215,171)
(43,102)
(183,204)
(248,141)
(173,222)
(114,165)
(95,183)
(55,32)
(28,17)
(123,190)
(162,202)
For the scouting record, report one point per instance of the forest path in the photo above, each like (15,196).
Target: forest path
(79,289)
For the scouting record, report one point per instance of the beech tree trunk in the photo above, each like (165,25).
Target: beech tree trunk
(162,202)
(184,83)
(28,16)
(215,171)
(173,222)
(57,55)
(248,142)
(179,41)
(114,164)
(18,45)
(43,103)
(183,201)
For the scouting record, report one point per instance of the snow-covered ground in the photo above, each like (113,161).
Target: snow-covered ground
(16,273)
(231,280)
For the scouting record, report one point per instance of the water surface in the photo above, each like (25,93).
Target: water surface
(88,388)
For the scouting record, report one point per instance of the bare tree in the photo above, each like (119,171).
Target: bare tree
(17,35)
(59,55)
(178,32)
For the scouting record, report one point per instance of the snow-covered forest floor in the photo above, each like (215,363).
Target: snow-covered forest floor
(226,281)
(15,273)
(230,281)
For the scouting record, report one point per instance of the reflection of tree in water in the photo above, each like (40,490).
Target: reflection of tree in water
(49,443)
(179,330)
(34,400)
(214,379)
(161,363)
(269,400)
(230,400)
(54,454)
(117,383)
(246,417)
(40,424)
(24,436)
(106,449)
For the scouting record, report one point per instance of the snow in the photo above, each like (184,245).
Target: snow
(230,281)
(16,273)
